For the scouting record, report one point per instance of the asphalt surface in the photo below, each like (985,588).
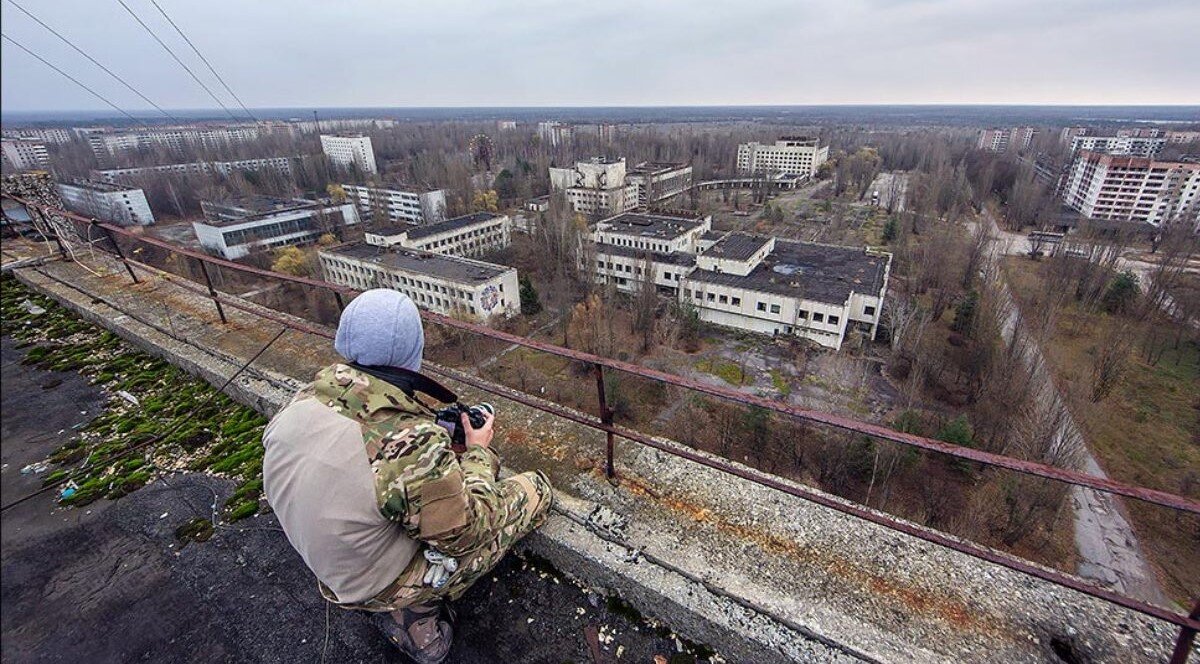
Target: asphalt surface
(110,582)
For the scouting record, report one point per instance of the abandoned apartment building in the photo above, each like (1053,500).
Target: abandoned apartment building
(748,282)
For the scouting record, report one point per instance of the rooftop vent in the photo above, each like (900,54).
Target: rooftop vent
(788,269)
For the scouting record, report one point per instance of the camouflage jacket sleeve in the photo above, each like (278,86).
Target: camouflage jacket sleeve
(452,504)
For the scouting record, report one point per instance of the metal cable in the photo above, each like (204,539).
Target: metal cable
(106,70)
(176,57)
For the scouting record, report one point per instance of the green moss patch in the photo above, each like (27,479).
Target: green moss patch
(184,423)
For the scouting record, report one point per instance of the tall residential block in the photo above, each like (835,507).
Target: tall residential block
(796,155)
(346,150)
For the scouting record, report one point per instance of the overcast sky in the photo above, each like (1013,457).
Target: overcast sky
(284,53)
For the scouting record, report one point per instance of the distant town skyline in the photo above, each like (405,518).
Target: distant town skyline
(622,53)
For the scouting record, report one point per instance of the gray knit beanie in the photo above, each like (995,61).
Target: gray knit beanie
(381,327)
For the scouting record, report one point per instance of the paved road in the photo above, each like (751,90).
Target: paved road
(1108,547)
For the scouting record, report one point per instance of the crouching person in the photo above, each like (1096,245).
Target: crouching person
(369,491)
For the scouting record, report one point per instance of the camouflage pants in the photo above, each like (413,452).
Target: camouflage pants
(526,500)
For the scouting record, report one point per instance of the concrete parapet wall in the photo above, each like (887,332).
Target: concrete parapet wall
(759,575)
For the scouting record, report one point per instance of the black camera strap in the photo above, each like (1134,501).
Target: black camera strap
(410,382)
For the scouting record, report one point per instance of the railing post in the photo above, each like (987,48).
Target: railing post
(212,292)
(120,254)
(337,295)
(606,418)
(1183,645)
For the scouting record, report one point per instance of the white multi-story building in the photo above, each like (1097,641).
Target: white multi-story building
(56,135)
(796,155)
(1003,138)
(506,125)
(281,165)
(596,186)
(107,202)
(555,133)
(106,144)
(469,235)
(652,181)
(233,229)
(448,285)
(24,154)
(413,204)
(348,150)
(1136,189)
(753,283)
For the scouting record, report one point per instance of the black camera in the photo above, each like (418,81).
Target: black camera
(450,419)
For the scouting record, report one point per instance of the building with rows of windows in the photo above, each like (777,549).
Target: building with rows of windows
(470,235)
(107,202)
(235,228)
(1135,189)
(748,282)
(444,284)
(347,150)
(397,203)
(796,155)
(280,165)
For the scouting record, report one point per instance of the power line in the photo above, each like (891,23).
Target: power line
(176,57)
(93,60)
(74,80)
(202,59)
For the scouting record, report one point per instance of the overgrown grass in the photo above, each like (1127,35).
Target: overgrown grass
(724,369)
(219,437)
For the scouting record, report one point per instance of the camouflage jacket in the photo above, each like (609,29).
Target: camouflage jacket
(360,476)
(445,501)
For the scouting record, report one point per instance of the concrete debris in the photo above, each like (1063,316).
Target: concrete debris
(32,309)
(128,397)
(35,468)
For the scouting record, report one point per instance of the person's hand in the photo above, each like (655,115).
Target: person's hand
(481,436)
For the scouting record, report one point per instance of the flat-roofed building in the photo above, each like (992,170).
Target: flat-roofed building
(781,287)
(107,202)
(1002,139)
(653,181)
(105,144)
(1135,189)
(418,205)
(235,228)
(469,235)
(800,155)
(440,283)
(555,133)
(347,150)
(24,154)
(631,247)
(748,282)
(56,135)
(280,165)
(596,186)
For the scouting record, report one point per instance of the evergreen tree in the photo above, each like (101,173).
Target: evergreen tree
(530,303)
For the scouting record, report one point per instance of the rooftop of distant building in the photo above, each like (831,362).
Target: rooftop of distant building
(453,268)
(661,227)
(817,272)
(655,167)
(737,246)
(97,185)
(454,224)
(680,258)
(242,208)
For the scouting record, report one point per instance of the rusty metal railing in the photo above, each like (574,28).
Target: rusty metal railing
(1189,624)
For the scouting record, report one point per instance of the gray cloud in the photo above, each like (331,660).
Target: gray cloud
(620,52)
